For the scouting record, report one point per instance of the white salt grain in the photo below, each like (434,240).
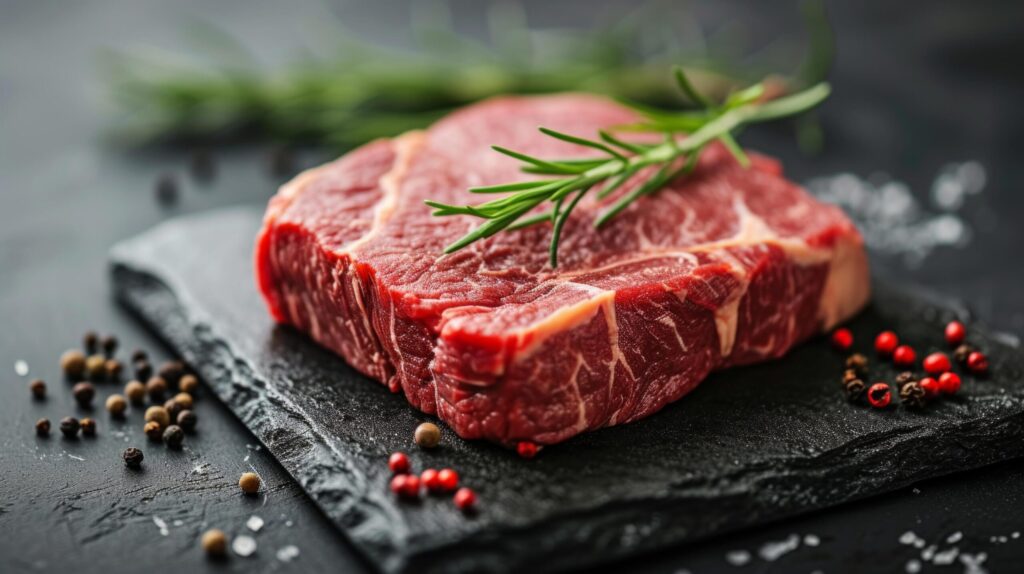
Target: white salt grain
(811,540)
(254,523)
(21,367)
(955,537)
(737,557)
(161,525)
(1015,535)
(913,566)
(973,563)
(243,545)
(288,553)
(908,537)
(771,551)
(946,557)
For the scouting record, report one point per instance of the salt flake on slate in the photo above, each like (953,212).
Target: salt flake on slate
(161,525)
(913,566)
(973,563)
(946,557)
(908,538)
(929,552)
(288,553)
(811,540)
(243,545)
(737,557)
(21,367)
(955,537)
(254,523)
(771,551)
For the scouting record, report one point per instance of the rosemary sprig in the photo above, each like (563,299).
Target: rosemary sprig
(621,160)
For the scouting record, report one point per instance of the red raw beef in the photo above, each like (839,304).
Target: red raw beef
(725,267)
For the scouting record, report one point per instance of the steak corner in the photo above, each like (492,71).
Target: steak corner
(724,267)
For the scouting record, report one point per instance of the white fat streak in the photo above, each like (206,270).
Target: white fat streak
(617,356)
(581,423)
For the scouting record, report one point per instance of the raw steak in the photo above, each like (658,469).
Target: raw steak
(726,267)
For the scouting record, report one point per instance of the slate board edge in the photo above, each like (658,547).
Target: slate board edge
(536,547)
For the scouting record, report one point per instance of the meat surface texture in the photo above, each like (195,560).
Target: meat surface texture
(728,266)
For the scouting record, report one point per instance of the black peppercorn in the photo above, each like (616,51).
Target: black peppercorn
(912,395)
(848,375)
(38,388)
(143,370)
(114,370)
(88,427)
(187,420)
(84,393)
(89,341)
(858,363)
(155,388)
(166,189)
(43,427)
(109,344)
(69,426)
(904,378)
(854,389)
(174,436)
(962,352)
(173,408)
(171,371)
(132,457)
(138,355)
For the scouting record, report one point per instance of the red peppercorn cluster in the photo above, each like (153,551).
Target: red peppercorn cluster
(911,391)
(409,486)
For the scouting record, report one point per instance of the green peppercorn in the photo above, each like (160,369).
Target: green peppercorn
(109,344)
(135,391)
(174,436)
(73,363)
(88,427)
(187,420)
(84,392)
(132,457)
(96,367)
(69,427)
(153,430)
(427,435)
(43,427)
(156,387)
(38,388)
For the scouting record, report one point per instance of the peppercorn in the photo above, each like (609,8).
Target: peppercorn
(848,375)
(879,395)
(171,371)
(69,426)
(526,449)
(38,388)
(73,363)
(135,391)
(155,388)
(465,499)
(931,387)
(398,463)
(949,382)
(936,363)
(406,485)
(138,355)
(114,369)
(90,341)
(184,400)
(43,427)
(427,435)
(962,352)
(215,543)
(448,479)
(187,420)
(912,395)
(854,390)
(109,344)
(173,409)
(166,189)
(88,427)
(174,436)
(143,370)
(977,362)
(430,479)
(842,339)
(904,356)
(249,482)
(158,415)
(84,392)
(858,363)
(96,367)
(116,405)
(955,333)
(188,384)
(885,343)
(132,457)
(153,430)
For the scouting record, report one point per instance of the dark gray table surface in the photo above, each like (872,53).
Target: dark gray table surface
(919,84)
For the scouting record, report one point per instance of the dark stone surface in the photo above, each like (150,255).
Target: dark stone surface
(750,445)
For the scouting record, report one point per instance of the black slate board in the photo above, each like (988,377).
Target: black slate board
(748,446)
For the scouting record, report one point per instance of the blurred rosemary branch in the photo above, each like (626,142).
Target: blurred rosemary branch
(362,90)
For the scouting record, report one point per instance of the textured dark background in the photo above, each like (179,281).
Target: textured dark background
(918,85)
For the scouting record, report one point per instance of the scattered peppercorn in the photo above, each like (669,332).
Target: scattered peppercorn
(158,415)
(114,369)
(430,479)
(904,378)
(955,333)
(465,499)
(116,405)
(73,363)
(132,457)
(90,342)
(931,387)
(962,352)
(448,479)
(427,435)
(43,427)
(526,449)
(398,463)
(88,427)
(406,485)
(143,370)
(842,339)
(215,543)
(854,389)
(153,430)
(69,427)
(879,395)
(904,356)
(913,395)
(184,400)
(38,388)
(977,362)
(138,355)
(174,436)
(96,367)
(886,342)
(109,344)
(135,391)
(936,363)
(173,408)
(84,392)
(171,371)
(188,384)
(156,387)
(187,420)
(949,382)
(249,482)
(858,363)
(849,375)
(166,189)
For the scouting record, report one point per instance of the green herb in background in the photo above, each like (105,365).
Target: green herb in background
(364,91)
